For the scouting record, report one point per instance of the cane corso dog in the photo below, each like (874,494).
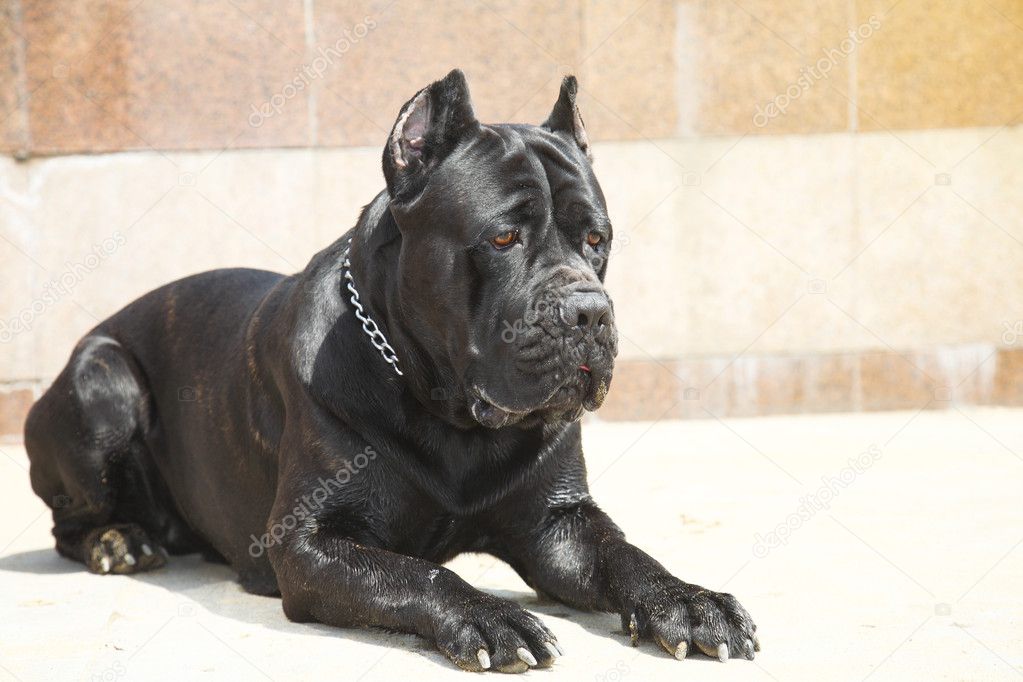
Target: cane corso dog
(415,392)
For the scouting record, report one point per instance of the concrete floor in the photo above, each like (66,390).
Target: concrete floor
(904,565)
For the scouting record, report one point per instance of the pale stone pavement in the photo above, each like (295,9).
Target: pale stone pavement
(904,565)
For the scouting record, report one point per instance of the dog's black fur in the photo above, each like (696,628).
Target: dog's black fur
(248,416)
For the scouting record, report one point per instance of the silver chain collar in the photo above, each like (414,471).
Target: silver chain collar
(376,336)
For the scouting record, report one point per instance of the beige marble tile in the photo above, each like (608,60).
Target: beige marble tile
(940,243)
(739,254)
(113,227)
(344,181)
(152,222)
(700,226)
(22,304)
(652,286)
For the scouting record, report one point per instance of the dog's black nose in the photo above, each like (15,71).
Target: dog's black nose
(586,310)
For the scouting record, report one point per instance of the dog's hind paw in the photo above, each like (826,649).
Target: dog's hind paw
(122,549)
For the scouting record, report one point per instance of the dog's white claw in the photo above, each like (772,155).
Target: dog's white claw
(104,564)
(633,630)
(526,656)
(553,649)
(722,652)
(681,650)
(484,658)
(129,559)
(147,550)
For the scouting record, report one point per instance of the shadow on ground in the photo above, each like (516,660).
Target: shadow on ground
(212,587)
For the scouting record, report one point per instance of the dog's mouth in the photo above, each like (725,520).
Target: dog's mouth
(492,415)
(567,401)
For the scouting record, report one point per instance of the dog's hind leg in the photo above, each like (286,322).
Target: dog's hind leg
(89,462)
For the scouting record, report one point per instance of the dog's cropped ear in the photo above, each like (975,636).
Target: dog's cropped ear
(428,128)
(565,117)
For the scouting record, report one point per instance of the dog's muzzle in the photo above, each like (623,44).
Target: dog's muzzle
(562,357)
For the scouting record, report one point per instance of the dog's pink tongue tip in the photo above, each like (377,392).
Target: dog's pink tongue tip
(585,368)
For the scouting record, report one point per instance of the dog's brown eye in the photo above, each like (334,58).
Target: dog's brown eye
(594,238)
(505,239)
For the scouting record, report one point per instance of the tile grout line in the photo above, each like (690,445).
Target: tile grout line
(21,84)
(312,103)
(853,84)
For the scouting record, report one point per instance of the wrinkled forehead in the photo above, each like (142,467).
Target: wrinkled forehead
(506,166)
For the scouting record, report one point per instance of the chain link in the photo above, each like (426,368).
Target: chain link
(369,326)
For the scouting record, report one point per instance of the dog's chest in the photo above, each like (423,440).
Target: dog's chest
(436,536)
(435,502)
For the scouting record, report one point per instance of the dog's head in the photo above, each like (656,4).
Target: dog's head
(505,239)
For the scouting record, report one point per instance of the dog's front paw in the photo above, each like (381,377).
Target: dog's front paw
(490,633)
(681,616)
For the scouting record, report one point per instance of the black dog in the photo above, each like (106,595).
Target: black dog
(414,393)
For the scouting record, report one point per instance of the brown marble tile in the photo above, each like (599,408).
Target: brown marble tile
(709,389)
(935,378)
(134,75)
(758,385)
(702,388)
(936,63)
(627,69)
(644,390)
(717,390)
(963,374)
(764,385)
(14,406)
(12,118)
(1008,384)
(737,59)
(751,384)
(894,381)
(513,53)
(831,383)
